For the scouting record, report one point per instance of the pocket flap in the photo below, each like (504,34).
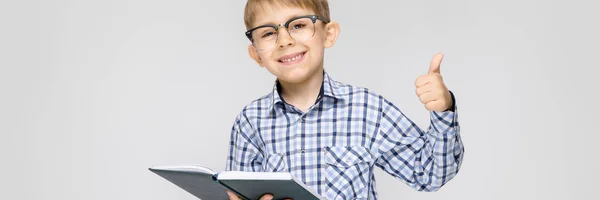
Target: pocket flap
(346,156)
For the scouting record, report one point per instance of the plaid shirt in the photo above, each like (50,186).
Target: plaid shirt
(334,146)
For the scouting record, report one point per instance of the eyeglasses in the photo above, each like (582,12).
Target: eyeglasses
(300,28)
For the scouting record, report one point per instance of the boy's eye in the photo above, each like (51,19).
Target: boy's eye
(268,34)
(298,26)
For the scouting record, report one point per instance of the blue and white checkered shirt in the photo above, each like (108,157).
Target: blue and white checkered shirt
(334,146)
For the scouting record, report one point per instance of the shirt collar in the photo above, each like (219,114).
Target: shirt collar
(329,88)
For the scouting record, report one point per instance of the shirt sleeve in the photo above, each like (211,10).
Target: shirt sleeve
(243,153)
(423,160)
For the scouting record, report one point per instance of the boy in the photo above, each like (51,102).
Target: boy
(329,134)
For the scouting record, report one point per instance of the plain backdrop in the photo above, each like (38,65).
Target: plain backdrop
(92,93)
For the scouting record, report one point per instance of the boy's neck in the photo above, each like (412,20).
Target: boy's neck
(302,95)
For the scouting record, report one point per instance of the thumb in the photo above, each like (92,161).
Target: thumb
(232,196)
(434,67)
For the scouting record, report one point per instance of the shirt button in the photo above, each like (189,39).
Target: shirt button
(302,120)
(302,152)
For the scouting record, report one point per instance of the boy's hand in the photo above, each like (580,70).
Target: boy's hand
(431,89)
(233,196)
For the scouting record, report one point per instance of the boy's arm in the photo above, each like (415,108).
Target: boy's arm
(424,160)
(243,153)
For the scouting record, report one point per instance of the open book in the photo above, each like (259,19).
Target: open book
(208,185)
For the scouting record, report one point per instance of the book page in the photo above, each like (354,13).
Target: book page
(239,175)
(185,168)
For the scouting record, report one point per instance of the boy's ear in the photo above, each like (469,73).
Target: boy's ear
(254,55)
(332,31)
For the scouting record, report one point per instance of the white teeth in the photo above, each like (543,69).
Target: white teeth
(292,59)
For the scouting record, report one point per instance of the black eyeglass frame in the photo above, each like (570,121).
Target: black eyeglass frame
(286,24)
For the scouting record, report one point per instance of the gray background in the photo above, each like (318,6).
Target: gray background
(92,93)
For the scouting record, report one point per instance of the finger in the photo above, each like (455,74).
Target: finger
(428,97)
(422,80)
(232,196)
(423,89)
(434,67)
(267,197)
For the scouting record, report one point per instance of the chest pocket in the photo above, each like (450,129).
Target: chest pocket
(348,172)
(274,163)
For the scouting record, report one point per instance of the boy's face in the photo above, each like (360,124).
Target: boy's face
(292,60)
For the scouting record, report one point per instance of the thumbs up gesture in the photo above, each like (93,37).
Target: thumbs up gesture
(431,89)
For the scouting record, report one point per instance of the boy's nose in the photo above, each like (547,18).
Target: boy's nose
(284,39)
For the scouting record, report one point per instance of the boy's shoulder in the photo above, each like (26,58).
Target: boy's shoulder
(341,92)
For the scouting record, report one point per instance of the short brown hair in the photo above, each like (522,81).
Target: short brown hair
(320,7)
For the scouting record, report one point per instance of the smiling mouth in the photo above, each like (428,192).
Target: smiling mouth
(292,58)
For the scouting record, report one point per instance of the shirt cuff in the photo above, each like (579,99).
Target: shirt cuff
(445,123)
